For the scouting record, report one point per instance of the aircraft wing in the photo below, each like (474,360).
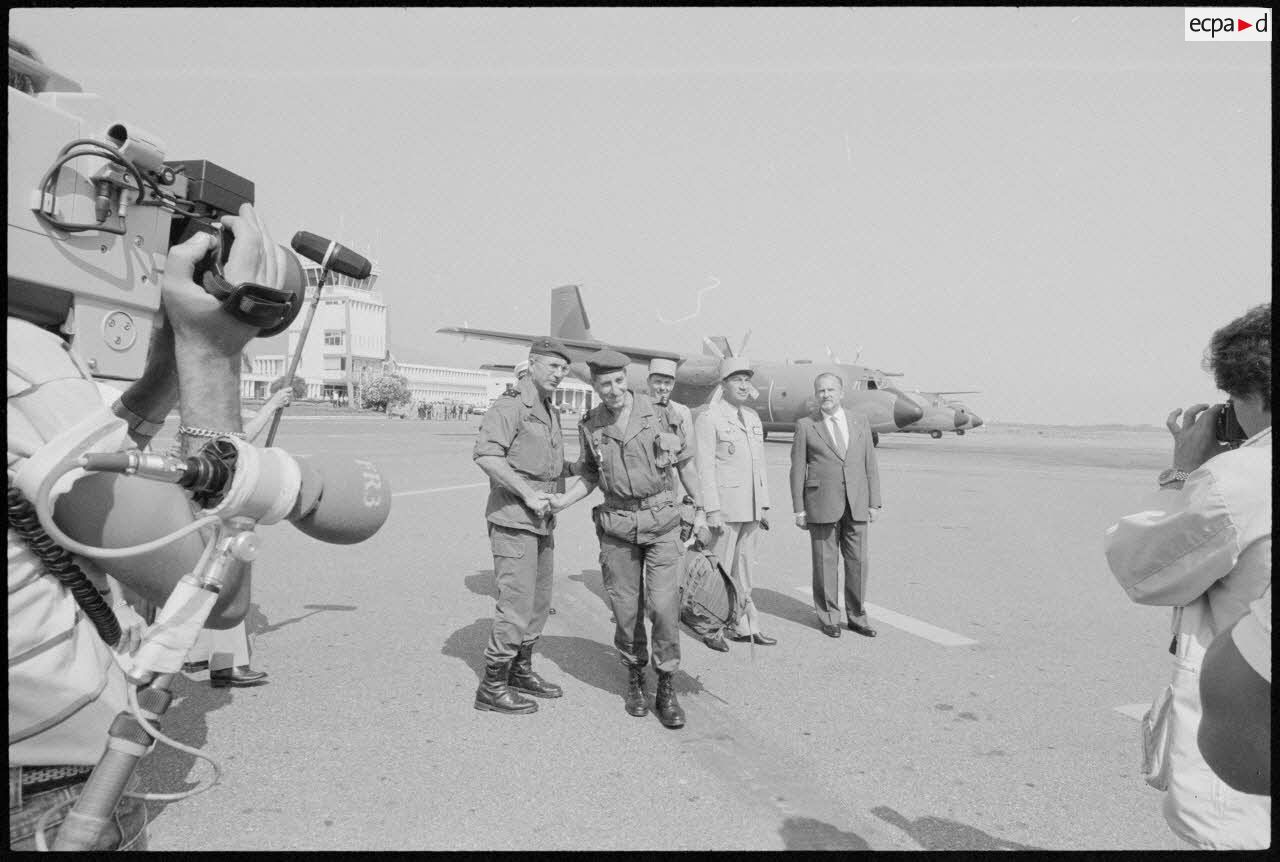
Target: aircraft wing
(491,366)
(578,348)
(955,392)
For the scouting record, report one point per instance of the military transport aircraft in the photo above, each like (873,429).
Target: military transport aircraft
(785,387)
(941,413)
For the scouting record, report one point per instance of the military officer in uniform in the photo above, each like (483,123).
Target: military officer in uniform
(662,379)
(731,469)
(521,449)
(628,446)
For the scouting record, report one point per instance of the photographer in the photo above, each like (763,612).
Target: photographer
(1203,547)
(65,686)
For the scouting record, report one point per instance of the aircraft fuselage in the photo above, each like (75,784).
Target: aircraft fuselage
(786,391)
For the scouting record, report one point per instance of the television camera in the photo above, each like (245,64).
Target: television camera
(94,207)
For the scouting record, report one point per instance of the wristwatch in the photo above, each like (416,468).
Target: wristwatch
(1170,475)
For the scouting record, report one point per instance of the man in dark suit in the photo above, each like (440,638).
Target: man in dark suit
(835,492)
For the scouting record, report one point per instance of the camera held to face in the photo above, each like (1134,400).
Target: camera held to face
(1228,427)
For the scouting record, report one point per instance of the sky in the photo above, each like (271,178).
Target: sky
(1055,206)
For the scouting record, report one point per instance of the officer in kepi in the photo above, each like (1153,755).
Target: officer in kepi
(521,449)
(662,379)
(628,446)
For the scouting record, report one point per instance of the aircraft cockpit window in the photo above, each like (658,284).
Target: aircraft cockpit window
(871,384)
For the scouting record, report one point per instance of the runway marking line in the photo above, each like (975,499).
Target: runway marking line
(1136,711)
(439,490)
(910,625)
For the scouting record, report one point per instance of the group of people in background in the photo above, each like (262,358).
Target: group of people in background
(440,411)
(649,454)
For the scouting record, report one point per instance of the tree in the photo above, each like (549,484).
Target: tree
(384,392)
(299,387)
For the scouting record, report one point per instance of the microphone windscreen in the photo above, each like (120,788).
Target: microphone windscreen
(352,503)
(343,261)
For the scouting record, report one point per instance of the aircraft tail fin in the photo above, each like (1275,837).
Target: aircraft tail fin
(568,316)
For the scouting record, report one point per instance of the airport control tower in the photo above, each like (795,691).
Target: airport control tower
(348,336)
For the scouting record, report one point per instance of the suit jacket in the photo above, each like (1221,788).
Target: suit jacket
(823,480)
(729,456)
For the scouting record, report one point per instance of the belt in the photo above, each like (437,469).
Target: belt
(542,484)
(632,504)
(38,779)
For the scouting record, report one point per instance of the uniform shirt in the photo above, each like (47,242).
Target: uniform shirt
(682,413)
(729,445)
(524,429)
(629,465)
(65,687)
(1212,538)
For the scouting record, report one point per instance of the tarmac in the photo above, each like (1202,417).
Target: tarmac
(997,709)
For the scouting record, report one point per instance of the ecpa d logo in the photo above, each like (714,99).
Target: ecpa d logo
(1227,24)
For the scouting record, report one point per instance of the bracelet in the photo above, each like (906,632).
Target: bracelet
(205,432)
(138,425)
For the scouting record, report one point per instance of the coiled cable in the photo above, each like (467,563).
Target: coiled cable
(57,562)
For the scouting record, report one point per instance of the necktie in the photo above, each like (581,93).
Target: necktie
(837,434)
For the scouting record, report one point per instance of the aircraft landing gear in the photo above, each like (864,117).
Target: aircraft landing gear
(875,439)
(959,432)
(935,434)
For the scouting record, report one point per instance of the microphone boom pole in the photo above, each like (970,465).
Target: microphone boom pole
(297,354)
(331,257)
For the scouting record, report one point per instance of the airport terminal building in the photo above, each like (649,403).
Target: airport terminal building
(347,346)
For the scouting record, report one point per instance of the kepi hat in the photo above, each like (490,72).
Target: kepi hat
(731,365)
(665,367)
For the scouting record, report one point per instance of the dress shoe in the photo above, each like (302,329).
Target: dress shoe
(831,631)
(195,666)
(759,638)
(239,676)
(716,642)
(865,631)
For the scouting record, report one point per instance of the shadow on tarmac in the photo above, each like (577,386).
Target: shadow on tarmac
(587,661)
(805,833)
(165,769)
(256,622)
(483,583)
(593,580)
(937,833)
(784,606)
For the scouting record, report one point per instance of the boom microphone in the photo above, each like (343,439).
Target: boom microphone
(330,255)
(334,499)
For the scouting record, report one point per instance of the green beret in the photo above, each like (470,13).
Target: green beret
(606,361)
(550,347)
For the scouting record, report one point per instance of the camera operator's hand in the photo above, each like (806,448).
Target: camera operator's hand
(1195,440)
(195,315)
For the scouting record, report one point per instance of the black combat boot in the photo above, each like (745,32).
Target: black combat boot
(635,692)
(666,705)
(496,696)
(523,677)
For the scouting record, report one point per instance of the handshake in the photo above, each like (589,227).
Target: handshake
(544,503)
